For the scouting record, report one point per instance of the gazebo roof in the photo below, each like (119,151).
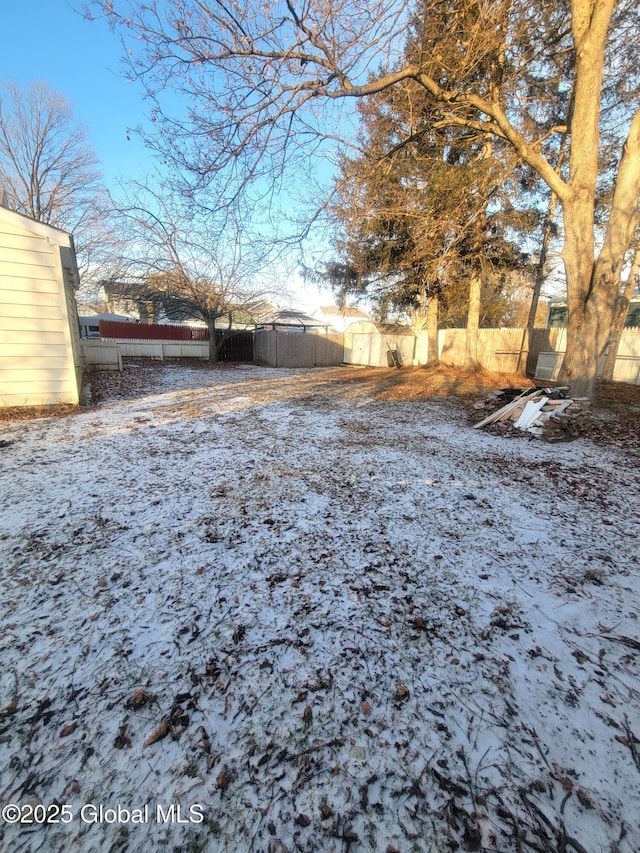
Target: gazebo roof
(288,318)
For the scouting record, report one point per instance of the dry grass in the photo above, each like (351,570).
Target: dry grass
(29,413)
(616,406)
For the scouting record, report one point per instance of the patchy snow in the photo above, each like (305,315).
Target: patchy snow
(321,621)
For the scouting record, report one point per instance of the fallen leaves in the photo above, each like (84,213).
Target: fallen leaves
(140,698)
(160,732)
(10,709)
(402,692)
(335,619)
(123,739)
(224,778)
(239,633)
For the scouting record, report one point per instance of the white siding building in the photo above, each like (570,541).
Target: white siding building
(40,354)
(339,318)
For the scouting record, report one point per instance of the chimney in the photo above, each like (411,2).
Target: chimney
(4,200)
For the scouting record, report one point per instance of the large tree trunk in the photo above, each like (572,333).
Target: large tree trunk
(593,287)
(537,285)
(581,358)
(471,361)
(213,343)
(433,356)
(621,315)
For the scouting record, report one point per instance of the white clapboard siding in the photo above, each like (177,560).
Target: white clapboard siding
(44,282)
(31,301)
(23,241)
(30,328)
(40,354)
(31,339)
(34,269)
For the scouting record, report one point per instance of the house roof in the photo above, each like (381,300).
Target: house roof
(55,235)
(336,311)
(394,329)
(121,318)
(125,290)
(369,326)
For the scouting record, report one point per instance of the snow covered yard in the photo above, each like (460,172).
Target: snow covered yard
(311,619)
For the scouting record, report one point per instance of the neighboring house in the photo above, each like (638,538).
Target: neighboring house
(339,318)
(558,313)
(41,360)
(131,300)
(85,309)
(140,302)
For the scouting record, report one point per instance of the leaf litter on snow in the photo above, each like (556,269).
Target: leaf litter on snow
(333,622)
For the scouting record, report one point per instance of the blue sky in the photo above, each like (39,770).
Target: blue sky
(49,40)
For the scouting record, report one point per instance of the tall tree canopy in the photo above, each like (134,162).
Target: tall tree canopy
(260,78)
(49,168)
(422,212)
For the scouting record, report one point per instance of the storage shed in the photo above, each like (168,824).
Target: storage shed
(40,353)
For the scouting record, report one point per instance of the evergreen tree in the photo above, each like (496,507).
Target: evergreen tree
(419,210)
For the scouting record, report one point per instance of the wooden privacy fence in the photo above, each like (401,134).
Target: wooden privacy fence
(498,349)
(151,331)
(550,346)
(139,340)
(275,348)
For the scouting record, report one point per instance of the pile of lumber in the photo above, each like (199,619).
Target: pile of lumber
(566,423)
(547,412)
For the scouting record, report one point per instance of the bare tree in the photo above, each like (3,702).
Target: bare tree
(193,267)
(49,169)
(261,77)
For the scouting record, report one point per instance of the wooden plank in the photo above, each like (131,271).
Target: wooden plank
(558,406)
(529,414)
(506,410)
(515,413)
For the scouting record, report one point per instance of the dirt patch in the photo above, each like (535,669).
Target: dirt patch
(616,415)
(381,383)
(618,395)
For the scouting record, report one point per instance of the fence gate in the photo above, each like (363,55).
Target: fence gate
(237,347)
